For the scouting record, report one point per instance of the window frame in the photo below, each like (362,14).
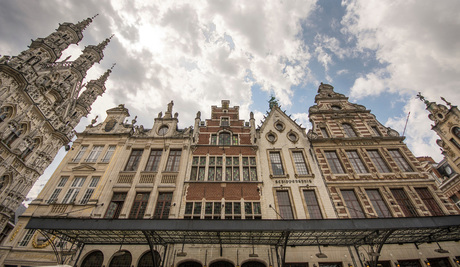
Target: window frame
(312,208)
(352,203)
(378,161)
(334,162)
(282,207)
(377,202)
(80,154)
(224,121)
(163,205)
(401,161)
(57,191)
(94,153)
(134,159)
(348,130)
(74,189)
(109,153)
(405,204)
(139,206)
(90,189)
(356,162)
(173,163)
(429,201)
(280,163)
(295,163)
(154,160)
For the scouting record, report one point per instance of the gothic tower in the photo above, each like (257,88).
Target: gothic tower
(40,106)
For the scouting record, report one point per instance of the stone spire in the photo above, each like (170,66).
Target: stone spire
(94,89)
(81,25)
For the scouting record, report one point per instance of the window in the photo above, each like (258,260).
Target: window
(249,169)
(15,133)
(89,192)
(354,208)
(456,200)
(54,196)
(232,210)
(279,126)
(224,121)
(429,201)
(115,206)
(163,206)
(5,113)
(94,154)
(108,155)
(80,154)
(193,210)
(271,137)
(277,165)
(376,131)
(293,137)
(215,169)
(252,211)
(324,132)
(312,204)
(299,163)
(173,161)
(74,189)
(232,169)
(349,132)
(378,161)
(3,182)
(456,132)
(378,203)
(404,203)
(212,210)
(214,139)
(25,240)
(134,160)
(139,206)
(94,259)
(334,162)
(198,168)
(154,161)
(224,139)
(356,162)
(455,143)
(400,160)
(235,139)
(284,205)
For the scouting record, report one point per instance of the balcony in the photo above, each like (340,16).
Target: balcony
(126,177)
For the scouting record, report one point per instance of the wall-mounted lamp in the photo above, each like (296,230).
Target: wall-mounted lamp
(457,260)
(397,264)
(427,263)
(440,249)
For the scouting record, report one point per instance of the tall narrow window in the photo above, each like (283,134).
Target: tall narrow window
(54,196)
(334,162)
(348,130)
(429,201)
(284,205)
(312,204)
(224,139)
(15,133)
(163,206)
(276,163)
(108,155)
(354,208)
(198,168)
(356,161)
(26,239)
(115,206)
(249,169)
(139,206)
(455,143)
(215,169)
(94,153)
(212,210)
(134,160)
(456,200)
(74,189)
(80,154)
(154,161)
(193,210)
(232,210)
(214,139)
(235,139)
(173,161)
(252,211)
(89,192)
(404,203)
(378,203)
(324,132)
(232,168)
(400,160)
(376,131)
(299,162)
(378,161)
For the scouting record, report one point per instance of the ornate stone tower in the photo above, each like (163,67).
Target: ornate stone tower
(40,105)
(447,126)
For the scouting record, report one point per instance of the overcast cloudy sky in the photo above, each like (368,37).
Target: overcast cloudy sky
(380,53)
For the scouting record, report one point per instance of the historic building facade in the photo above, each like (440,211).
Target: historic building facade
(447,127)
(226,169)
(41,101)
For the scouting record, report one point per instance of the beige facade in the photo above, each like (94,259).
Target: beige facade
(39,107)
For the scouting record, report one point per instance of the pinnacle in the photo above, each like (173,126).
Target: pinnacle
(81,25)
(104,43)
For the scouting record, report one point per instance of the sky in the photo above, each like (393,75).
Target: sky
(197,53)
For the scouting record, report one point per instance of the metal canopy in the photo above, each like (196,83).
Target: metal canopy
(332,232)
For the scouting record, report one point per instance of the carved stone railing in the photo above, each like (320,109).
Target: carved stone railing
(59,208)
(147,177)
(126,177)
(169,178)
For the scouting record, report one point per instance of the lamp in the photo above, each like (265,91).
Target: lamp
(182,253)
(440,249)
(427,263)
(397,264)
(457,260)
(120,252)
(320,255)
(253,255)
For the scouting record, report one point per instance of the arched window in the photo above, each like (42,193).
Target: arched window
(30,148)
(190,264)
(147,260)
(121,259)
(5,113)
(3,182)
(15,133)
(348,130)
(224,139)
(456,132)
(94,259)
(221,264)
(253,264)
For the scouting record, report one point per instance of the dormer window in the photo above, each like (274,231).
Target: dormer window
(224,121)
